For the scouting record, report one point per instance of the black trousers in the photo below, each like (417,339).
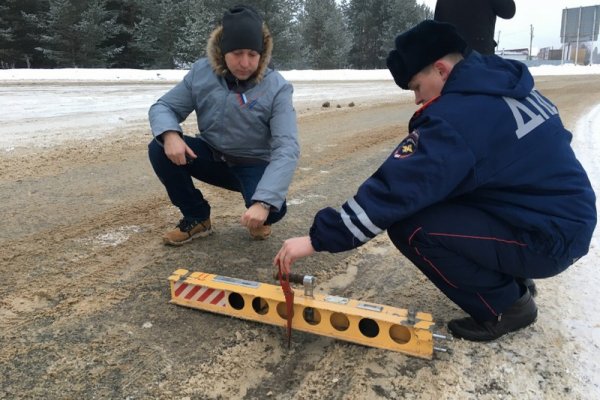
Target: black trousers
(471,256)
(189,199)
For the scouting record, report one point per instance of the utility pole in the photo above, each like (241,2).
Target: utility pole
(593,32)
(530,41)
(578,31)
(564,25)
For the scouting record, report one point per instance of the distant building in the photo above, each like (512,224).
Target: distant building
(548,53)
(586,53)
(514,54)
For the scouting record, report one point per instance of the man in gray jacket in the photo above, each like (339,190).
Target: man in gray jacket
(248,133)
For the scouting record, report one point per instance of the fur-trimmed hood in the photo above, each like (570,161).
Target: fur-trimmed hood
(217,58)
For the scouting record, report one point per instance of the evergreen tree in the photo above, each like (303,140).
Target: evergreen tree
(75,32)
(19,35)
(406,14)
(366,22)
(6,39)
(173,33)
(198,23)
(96,25)
(325,36)
(6,33)
(374,24)
(128,13)
(156,33)
(282,17)
(425,11)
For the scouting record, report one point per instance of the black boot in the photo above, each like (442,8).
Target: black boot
(530,285)
(521,314)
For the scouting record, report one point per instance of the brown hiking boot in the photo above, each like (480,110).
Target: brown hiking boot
(187,230)
(260,233)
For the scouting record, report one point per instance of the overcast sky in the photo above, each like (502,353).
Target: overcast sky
(544,15)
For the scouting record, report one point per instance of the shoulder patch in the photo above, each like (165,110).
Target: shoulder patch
(408,146)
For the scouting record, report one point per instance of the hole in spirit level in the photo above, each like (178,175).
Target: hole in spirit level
(260,306)
(311,316)
(236,300)
(368,327)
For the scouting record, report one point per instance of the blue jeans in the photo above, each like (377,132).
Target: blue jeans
(177,179)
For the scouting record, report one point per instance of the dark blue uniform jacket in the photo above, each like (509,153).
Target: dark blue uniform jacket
(490,141)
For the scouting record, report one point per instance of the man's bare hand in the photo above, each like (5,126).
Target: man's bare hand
(254,216)
(292,250)
(176,149)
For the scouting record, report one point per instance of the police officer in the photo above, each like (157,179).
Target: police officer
(483,192)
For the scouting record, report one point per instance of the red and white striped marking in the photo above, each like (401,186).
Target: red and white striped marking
(200,294)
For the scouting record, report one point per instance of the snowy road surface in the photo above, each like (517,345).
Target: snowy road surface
(44,114)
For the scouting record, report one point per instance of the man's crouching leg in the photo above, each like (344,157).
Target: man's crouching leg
(473,259)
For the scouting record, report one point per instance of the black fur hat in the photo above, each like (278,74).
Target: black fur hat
(421,46)
(242,29)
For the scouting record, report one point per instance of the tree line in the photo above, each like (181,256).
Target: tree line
(167,34)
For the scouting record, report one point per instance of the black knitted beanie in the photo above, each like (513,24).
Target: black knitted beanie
(242,29)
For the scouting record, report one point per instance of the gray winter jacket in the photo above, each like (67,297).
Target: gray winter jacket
(259,123)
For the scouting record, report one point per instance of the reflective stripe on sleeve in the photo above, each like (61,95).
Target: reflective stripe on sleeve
(363,217)
(352,228)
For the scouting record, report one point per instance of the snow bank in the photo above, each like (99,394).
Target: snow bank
(138,75)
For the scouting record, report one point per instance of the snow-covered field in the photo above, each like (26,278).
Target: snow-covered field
(41,108)
(137,75)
